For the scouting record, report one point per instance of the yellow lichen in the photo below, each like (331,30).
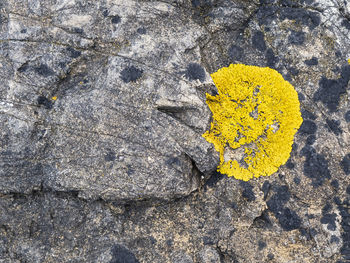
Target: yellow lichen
(255,117)
(54,98)
(349,61)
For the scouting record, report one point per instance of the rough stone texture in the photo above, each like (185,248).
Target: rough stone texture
(102,109)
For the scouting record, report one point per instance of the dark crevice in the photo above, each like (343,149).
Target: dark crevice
(196,174)
(225,256)
(196,180)
(263,221)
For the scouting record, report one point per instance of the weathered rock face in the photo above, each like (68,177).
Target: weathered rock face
(102,110)
(101,101)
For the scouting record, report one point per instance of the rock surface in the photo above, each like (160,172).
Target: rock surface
(102,110)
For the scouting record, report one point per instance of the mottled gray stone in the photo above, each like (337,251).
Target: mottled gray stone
(103,108)
(126,124)
(209,255)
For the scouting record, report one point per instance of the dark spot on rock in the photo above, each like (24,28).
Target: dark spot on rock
(207,240)
(310,140)
(45,102)
(308,2)
(346,23)
(296,37)
(23,68)
(78,30)
(267,2)
(261,245)
(105,13)
(293,71)
(288,219)
(348,189)
(330,90)
(266,188)
(297,180)
(334,239)
(345,74)
(347,116)
(311,62)
(329,219)
(301,96)
(174,161)
(115,19)
(279,199)
(315,166)
(247,192)
(338,54)
(335,184)
(62,64)
(44,70)
(213,179)
(110,156)
(271,58)
(306,233)
(333,126)
(131,74)
(313,232)
(345,164)
(303,232)
(153,240)
(201,3)
(290,164)
(281,177)
(315,19)
(345,234)
(121,254)
(23,31)
(258,41)
(130,171)
(308,115)
(308,127)
(327,208)
(337,200)
(233,205)
(288,3)
(270,256)
(73,53)
(141,30)
(301,16)
(235,52)
(195,71)
(266,14)
(329,93)
(169,243)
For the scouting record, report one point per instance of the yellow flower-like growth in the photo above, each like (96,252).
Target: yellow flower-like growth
(255,117)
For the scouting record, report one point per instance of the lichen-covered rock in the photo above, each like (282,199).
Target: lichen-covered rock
(103,108)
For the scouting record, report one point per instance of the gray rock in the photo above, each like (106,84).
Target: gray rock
(209,255)
(102,110)
(92,106)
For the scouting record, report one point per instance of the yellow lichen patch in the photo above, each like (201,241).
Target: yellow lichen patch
(349,61)
(255,117)
(54,98)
